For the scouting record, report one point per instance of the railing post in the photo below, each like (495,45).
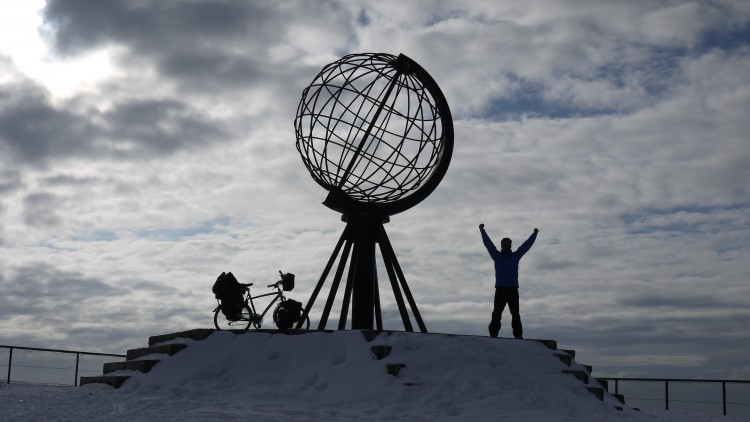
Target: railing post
(10,362)
(666,393)
(75,380)
(724,396)
(617,386)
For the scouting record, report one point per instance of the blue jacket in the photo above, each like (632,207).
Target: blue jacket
(506,263)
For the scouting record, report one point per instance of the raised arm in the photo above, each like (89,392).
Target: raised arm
(488,242)
(521,251)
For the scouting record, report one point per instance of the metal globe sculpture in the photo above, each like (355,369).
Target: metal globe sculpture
(376,132)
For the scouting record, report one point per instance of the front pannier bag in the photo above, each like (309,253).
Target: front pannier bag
(288,313)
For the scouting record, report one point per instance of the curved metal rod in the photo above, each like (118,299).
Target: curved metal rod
(375,118)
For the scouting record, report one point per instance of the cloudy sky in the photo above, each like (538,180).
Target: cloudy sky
(147,146)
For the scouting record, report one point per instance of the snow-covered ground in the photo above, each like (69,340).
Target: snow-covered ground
(336,377)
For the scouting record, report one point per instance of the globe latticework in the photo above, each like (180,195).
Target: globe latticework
(373,126)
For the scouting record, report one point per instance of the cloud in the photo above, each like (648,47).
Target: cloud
(10,180)
(32,129)
(42,291)
(202,46)
(77,26)
(158,127)
(40,210)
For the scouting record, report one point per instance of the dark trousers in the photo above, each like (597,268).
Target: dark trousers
(509,296)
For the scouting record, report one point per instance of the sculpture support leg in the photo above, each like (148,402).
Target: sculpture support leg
(323,277)
(363,304)
(376,300)
(335,286)
(348,289)
(392,255)
(396,290)
(362,290)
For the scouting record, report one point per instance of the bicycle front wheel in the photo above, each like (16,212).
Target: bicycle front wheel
(306,323)
(222,323)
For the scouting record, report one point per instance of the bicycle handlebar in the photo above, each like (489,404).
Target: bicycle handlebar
(276,284)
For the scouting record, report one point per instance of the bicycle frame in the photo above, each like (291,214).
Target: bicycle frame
(258,318)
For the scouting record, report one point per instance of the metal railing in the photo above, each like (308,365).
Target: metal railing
(50,366)
(718,397)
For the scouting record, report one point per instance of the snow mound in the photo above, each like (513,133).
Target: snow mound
(330,375)
(335,376)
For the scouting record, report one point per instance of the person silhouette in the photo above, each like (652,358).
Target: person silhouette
(506,280)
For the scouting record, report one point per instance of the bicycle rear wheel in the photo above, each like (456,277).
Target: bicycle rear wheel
(222,323)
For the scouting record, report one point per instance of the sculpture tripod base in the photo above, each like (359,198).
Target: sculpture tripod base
(359,239)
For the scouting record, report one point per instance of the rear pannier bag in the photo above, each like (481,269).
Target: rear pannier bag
(232,308)
(229,291)
(227,285)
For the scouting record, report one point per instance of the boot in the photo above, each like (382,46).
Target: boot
(494,328)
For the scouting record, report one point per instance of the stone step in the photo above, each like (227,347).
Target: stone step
(572,353)
(588,368)
(370,335)
(113,380)
(381,352)
(598,392)
(196,334)
(130,365)
(394,368)
(167,349)
(605,387)
(551,344)
(580,375)
(565,358)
